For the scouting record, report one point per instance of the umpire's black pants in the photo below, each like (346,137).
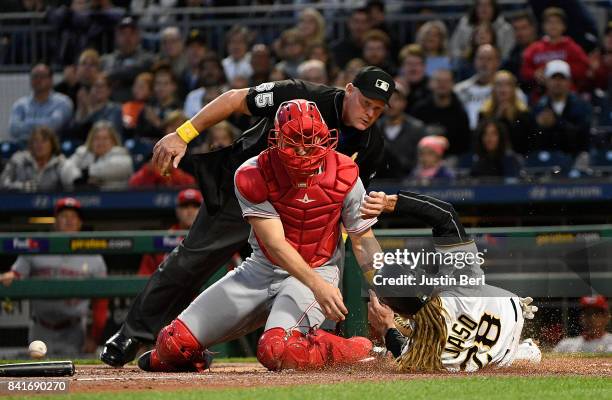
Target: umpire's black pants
(211,242)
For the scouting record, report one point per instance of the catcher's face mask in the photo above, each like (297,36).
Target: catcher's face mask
(301,138)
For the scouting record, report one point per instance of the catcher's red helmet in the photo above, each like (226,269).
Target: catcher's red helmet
(301,137)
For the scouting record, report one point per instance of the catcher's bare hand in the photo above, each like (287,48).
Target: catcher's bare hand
(329,298)
(373,205)
(169,149)
(379,315)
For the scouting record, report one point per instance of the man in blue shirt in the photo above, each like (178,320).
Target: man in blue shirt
(43,107)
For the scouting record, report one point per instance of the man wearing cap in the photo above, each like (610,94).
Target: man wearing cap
(402,134)
(219,230)
(61,323)
(563,118)
(127,61)
(188,203)
(595,319)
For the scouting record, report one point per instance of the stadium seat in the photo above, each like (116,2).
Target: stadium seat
(140,150)
(7,149)
(464,164)
(69,146)
(600,161)
(547,164)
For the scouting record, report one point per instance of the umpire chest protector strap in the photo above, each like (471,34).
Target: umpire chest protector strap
(310,215)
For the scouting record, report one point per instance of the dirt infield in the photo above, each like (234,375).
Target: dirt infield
(105,379)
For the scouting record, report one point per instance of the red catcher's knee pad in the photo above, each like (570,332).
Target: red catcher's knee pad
(177,346)
(339,350)
(278,349)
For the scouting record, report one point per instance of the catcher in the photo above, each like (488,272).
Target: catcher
(431,326)
(294,195)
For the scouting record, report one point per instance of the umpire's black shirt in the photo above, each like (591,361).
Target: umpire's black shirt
(215,170)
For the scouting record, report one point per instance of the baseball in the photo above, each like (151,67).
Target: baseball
(37,349)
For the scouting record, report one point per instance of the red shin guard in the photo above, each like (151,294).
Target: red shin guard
(278,349)
(177,349)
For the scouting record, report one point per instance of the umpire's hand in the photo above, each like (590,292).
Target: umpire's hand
(169,149)
(375,203)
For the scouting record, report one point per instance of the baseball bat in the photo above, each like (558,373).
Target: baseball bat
(47,368)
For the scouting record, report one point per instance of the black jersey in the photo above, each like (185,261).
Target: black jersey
(215,170)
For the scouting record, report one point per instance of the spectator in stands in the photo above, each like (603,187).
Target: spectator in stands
(42,167)
(25,6)
(83,76)
(553,46)
(430,163)
(443,113)
(482,34)
(165,100)
(493,156)
(103,162)
(474,91)
(43,107)
(595,319)
(95,105)
(212,79)
(238,61)
(219,136)
(172,50)
(505,106)
(128,59)
(292,49)
(61,324)
(188,203)
(432,36)
(413,75)
(376,50)
(195,51)
(311,26)
(83,24)
(377,15)
(582,24)
(155,11)
(351,46)
(132,111)
(313,71)
(563,119)
(348,74)
(321,52)
(261,63)
(600,72)
(402,134)
(525,33)
(149,176)
(483,11)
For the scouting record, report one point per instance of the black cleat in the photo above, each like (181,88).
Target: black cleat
(119,350)
(144,361)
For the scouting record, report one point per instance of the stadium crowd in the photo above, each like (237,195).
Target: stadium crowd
(497,96)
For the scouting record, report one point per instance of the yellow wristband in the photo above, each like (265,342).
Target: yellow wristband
(187,131)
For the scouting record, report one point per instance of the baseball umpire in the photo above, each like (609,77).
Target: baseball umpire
(219,229)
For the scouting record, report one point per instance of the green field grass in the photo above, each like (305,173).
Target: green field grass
(452,388)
